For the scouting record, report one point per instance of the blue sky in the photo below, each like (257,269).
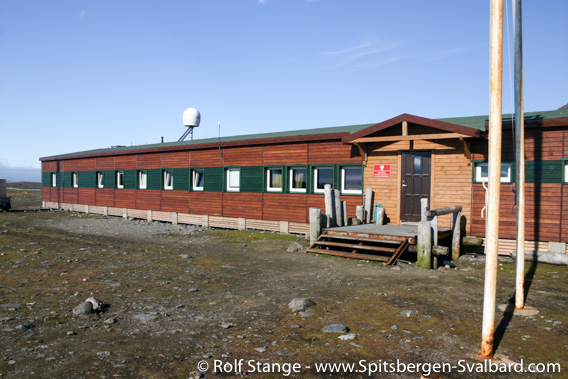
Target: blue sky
(79,75)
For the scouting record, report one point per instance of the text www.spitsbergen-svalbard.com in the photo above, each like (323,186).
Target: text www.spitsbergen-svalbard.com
(461,366)
(372,368)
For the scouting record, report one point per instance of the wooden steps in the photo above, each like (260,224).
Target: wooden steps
(373,247)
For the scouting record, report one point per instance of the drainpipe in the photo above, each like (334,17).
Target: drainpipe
(495,132)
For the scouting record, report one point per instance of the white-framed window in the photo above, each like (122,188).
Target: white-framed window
(298,179)
(142,179)
(53,179)
(120,179)
(75,179)
(168,179)
(322,176)
(233,179)
(566,171)
(352,180)
(197,179)
(482,172)
(274,179)
(100,179)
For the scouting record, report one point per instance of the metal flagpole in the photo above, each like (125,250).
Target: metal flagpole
(519,156)
(495,125)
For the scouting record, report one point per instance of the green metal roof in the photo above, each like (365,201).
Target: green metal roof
(476,122)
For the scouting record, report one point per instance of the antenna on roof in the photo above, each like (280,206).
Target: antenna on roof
(191,119)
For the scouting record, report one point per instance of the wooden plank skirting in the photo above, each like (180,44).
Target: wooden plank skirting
(285,227)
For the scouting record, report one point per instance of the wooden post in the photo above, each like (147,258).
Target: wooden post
(368,203)
(344,208)
(423,208)
(328,205)
(424,245)
(359,212)
(338,217)
(315,224)
(456,235)
(380,216)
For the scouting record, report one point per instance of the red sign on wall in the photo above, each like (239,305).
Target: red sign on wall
(382,170)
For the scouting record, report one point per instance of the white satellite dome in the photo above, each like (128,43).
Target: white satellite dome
(191,117)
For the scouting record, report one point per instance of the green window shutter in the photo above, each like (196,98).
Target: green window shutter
(181,179)
(543,171)
(87,179)
(46,179)
(67,179)
(213,179)
(252,179)
(60,179)
(337,177)
(154,179)
(285,183)
(309,179)
(110,179)
(130,179)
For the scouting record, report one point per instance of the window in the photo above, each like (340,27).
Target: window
(75,179)
(197,179)
(566,171)
(274,179)
(322,176)
(100,180)
(233,179)
(298,179)
(120,179)
(53,179)
(168,179)
(142,179)
(352,180)
(482,172)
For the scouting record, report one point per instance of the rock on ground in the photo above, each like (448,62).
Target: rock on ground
(300,304)
(82,309)
(335,328)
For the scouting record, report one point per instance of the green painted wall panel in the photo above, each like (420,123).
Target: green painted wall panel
(154,179)
(543,171)
(110,179)
(181,179)
(87,179)
(252,179)
(67,179)
(213,179)
(46,179)
(130,179)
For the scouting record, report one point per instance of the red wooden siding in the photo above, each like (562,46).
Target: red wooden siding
(125,198)
(87,196)
(332,152)
(106,163)
(70,165)
(149,161)
(286,207)
(125,162)
(49,166)
(175,160)
(543,212)
(175,201)
(206,158)
(243,156)
(148,199)
(286,154)
(104,197)
(70,195)
(206,203)
(247,205)
(87,164)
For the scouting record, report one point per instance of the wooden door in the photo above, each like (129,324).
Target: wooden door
(415,184)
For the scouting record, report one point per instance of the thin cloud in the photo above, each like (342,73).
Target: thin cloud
(360,53)
(83,13)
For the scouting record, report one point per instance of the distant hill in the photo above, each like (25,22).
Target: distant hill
(564,107)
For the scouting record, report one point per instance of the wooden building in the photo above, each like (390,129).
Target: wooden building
(269,181)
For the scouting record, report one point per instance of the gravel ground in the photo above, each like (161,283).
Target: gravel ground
(176,296)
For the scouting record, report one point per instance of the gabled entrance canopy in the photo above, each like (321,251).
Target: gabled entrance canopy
(397,129)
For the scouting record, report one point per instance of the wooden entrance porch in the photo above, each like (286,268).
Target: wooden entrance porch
(384,243)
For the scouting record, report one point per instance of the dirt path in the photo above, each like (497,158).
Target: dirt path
(178,295)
